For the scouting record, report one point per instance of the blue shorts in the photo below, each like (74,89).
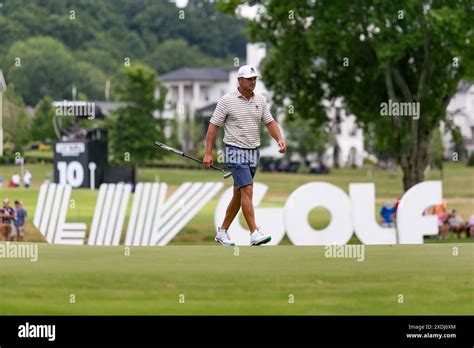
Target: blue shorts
(243,164)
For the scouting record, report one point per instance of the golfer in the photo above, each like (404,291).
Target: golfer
(241,114)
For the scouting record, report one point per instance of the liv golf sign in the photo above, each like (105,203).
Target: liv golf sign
(155,220)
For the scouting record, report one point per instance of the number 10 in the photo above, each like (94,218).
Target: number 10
(71,173)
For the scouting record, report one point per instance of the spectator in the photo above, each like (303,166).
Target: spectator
(27,178)
(470,227)
(319,169)
(440,212)
(19,223)
(387,214)
(455,223)
(16,180)
(443,229)
(1,182)
(397,203)
(7,215)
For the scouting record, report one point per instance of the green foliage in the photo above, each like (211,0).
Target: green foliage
(176,53)
(56,38)
(11,32)
(436,150)
(41,66)
(377,145)
(15,120)
(306,139)
(173,139)
(42,125)
(134,128)
(470,161)
(90,81)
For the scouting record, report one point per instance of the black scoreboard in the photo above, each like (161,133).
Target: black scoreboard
(80,163)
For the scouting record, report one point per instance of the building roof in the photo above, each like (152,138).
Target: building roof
(197,74)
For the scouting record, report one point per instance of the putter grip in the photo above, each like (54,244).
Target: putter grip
(166,147)
(173,150)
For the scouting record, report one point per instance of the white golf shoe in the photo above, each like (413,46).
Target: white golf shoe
(223,237)
(259,238)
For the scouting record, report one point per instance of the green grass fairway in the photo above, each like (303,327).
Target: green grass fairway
(260,280)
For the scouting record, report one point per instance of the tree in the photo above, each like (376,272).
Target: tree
(42,125)
(40,66)
(176,53)
(369,53)
(436,151)
(55,38)
(305,140)
(216,34)
(16,122)
(377,146)
(90,81)
(134,128)
(11,32)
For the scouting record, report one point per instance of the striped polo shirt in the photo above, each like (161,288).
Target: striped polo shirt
(241,118)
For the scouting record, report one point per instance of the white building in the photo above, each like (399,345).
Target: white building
(192,89)
(460,112)
(194,92)
(349,151)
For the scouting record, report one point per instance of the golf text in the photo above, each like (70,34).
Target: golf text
(19,251)
(37,331)
(400,109)
(345,251)
(75,108)
(156,219)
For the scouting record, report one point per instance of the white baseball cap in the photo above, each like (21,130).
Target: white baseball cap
(247,71)
(5,200)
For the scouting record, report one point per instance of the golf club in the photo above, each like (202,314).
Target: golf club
(181,153)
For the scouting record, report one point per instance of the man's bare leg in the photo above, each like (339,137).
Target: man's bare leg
(246,193)
(232,209)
